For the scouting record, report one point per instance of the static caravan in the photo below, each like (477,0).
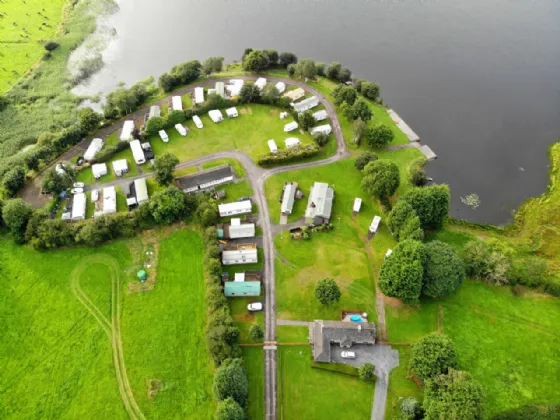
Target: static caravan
(99,169)
(260,83)
(137,152)
(374,224)
(155,111)
(288,198)
(291,142)
(239,230)
(128,128)
(272,146)
(197,121)
(327,129)
(163,135)
(242,256)
(235,208)
(216,115)
(320,115)
(198,95)
(306,104)
(357,205)
(221,89)
(234,87)
(109,200)
(177,103)
(94,147)
(232,112)
(295,94)
(281,87)
(120,167)
(290,127)
(141,189)
(79,207)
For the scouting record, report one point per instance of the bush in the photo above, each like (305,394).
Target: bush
(431,205)
(364,159)
(416,173)
(344,93)
(164,166)
(404,222)
(289,155)
(432,355)
(370,90)
(230,381)
(13,181)
(287,58)
(381,178)
(168,206)
(109,151)
(409,408)
(367,372)
(222,336)
(175,117)
(379,135)
(51,45)
(229,409)
(530,271)
(16,214)
(256,332)
(306,120)
(327,291)
(256,61)
(154,125)
(321,139)
(443,270)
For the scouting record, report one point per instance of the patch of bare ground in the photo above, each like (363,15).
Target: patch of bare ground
(394,302)
(154,386)
(247,110)
(244,317)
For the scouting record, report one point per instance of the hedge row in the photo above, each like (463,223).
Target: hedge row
(289,155)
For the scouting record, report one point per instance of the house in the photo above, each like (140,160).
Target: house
(155,111)
(235,208)
(207,179)
(272,146)
(216,115)
(327,336)
(306,104)
(148,152)
(374,224)
(141,189)
(288,198)
(126,132)
(295,94)
(198,95)
(95,146)
(320,115)
(109,200)
(290,127)
(242,288)
(221,89)
(163,135)
(357,205)
(234,87)
(137,152)
(79,207)
(291,142)
(260,83)
(320,204)
(99,169)
(120,167)
(327,129)
(245,255)
(181,129)
(241,230)
(232,112)
(281,87)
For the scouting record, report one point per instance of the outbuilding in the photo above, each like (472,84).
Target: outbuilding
(126,132)
(260,83)
(374,224)
(290,127)
(98,170)
(306,104)
(240,256)
(235,208)
(281,87)
(216,115)
(232,112)
(326,129)
(177,103)
(137,152)
(109,200)
(221,89)
(95,146)
(241,230)
(198,95)
(120,167)
(141,189)
(272,146)
(242,288)
(292,142)
(320,115)
(79,207)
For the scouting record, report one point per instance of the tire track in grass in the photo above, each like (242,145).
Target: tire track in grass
(111,328)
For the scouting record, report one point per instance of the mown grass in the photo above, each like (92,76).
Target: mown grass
(254,364)
(235,164)
(237,190)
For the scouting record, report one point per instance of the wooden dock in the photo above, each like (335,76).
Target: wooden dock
(412,136)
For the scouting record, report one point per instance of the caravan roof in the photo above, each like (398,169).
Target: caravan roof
(109,200)
(128,128)
(375,224)
(137,152)
(232,112)
(290,127)
(197,121)
(320,115)
(94,147)
(99,169)
(141,189)
(327,129)
(281,87)
(79,207)
(216,115)
(291,142)
(177,103)
(260,83)
(198,95)
(272,146)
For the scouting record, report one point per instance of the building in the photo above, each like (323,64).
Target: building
(98,170)
(221,89)
(246,255)
(320,203)
(292,142)
(235,208)
(327,336)
(260,83)
(272,146)
(241,230)
(126,132)
(306,104)
(357,205)
(281,87)
(412,136)
(216,115)
(288,198)
(198,95)
(232,112)
(327,129)
(141,190)
(207,179)
(242,288)
(290,127)
(120,167)
(320,115)
(234,87)
(79,207)
(137,152)
(155,111)
(295,94)
(95,146)
(109,200)
(177,103)
(374,224)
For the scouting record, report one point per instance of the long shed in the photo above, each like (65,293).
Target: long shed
(242,288)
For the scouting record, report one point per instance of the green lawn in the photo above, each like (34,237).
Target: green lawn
(399,386)
(237,167)
(254,364)
(307,393)
(237,190)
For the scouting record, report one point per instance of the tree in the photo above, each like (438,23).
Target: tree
(321,138)
(13,180)
(320,68)
(531,271)
(381,178)
(344,75)
(287,58)
(379,135)
(343,93)
(269,94)
(370,90)
(273,57)
(212,65)
(432,355)
(291,70)
(409,408)
(187,72)
(401,274)
(306,120)
(222,336)
(175,117)
(16,214)
(249,93)
(364,159)
(367,372)
(453,396)
(167,82)
(333,70)
(51,45)
(229,409)
(358,127)
(443,270)
(417,174)
(230,381)
(327,291)
(168,206)
(56,182)
(256,332)
(155,124)
(305,69)
(164,166)
(246,52)
(431,205)
(207,213)
(88,120)
(256,61)
(475,255)
(404,223)
(360,110)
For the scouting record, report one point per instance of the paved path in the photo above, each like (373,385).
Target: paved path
(292,323)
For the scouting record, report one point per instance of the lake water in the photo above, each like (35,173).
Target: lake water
(478,80)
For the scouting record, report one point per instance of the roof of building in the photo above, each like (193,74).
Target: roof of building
(237,207)
(232,112)
(94,147)
(281,86)
(306,104)
(357,204)
(99,169)
(342,333)
(242,288)
(295,94)
(261,82)
(291,126)
(206,179)
(128,128)
(288,197)
(326,128)
(120,165)
(215,115)
(155,111)
(141,190)
(320,201)
(198,95)
(320,115)
(292,141)
(272,146)
(79,206)
(109,200)
(241,230)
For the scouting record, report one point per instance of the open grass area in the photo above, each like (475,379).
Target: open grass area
(237,167)
(236,190)
(307,393)
(254,364)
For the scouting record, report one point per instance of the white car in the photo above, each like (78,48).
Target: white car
(94,196)
(77,190)
(181,129)
(197,121)
(163,136)
(79,185)
(348,355)
(255,306)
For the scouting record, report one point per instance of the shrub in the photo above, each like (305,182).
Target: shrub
(367,372)
(287,58)
(443,270)
(175,117)
(378,135)
(16,214)
(289,155)
(230,381)
(256,61)
(321,139)
(13,181)
(168,206)
(364,159)
(154,125)
(229,409)
(306,120)
(164,166)
(222,336)
(381,178)
(432,355)
(431,205)
(109,151)
(416,173)
(256,332)
(409,408)
(530,271)
(51,45)
(327,291)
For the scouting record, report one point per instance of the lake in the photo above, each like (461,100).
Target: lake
(477,80)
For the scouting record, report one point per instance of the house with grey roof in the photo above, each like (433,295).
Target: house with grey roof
(326,336)
(320,203)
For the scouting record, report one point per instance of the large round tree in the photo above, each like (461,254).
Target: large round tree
(443,270)
(381,178)
(404,222)
(401,274)
(229,409)
(230,380)
(327,291)
(432,355)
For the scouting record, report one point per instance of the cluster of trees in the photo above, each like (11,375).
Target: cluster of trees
(261,60)
(327,291)
(164,166)
(231,389)
(289,155)
(123,101)
(183,73)
(381,179)
(449,393)
(57,181)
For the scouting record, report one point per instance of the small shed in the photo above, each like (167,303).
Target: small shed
(260,83)
(216,115)
(99,169)
(272,146)
(232,112)
(374,224)
(283,115)
(94,196)
(291,142)
(120,167)
(281,87)
(239,277)
(290,127)
(242,288)
(357,205)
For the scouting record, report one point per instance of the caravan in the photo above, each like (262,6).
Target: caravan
(137,152)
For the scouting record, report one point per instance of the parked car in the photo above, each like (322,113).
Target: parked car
(244,198)
(79,185)
(77,190)
(348,355)
(255,306)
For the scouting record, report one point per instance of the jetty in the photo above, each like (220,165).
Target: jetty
(412,136)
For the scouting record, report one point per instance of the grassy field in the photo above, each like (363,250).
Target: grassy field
(237,167)
(254,364)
